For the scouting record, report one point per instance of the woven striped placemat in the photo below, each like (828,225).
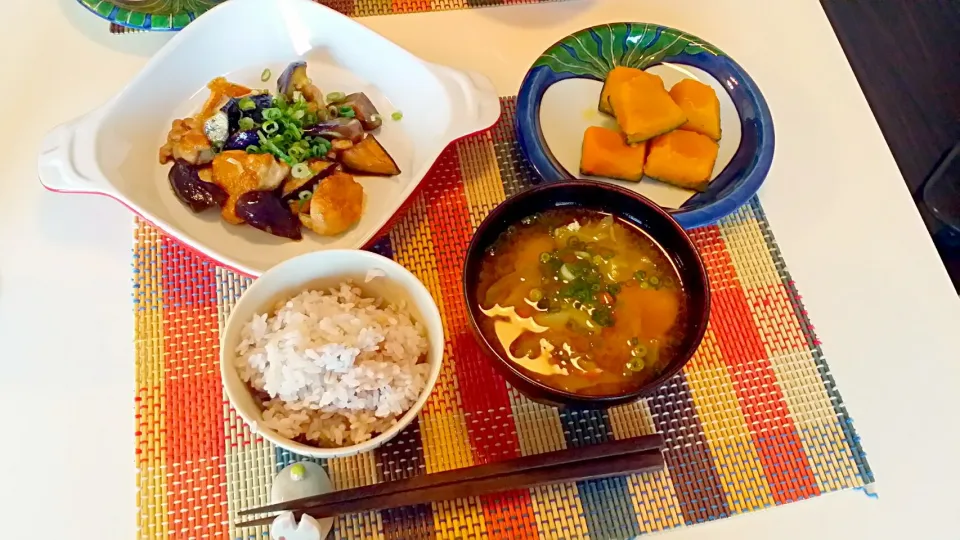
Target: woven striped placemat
(754,420)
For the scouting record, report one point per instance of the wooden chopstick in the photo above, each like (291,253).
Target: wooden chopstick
(547,459)
(589,462)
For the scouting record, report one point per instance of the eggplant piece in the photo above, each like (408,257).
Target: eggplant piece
(368,156)
(234,113)
(337,128)
(295,79)
(192,190)
(293,187)
(265,211)
(364,110)
(241,140)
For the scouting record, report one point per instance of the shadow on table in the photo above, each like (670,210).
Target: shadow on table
(98,30)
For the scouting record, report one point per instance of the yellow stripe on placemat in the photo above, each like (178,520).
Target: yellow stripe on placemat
(558,511)
(460,518)
(725,429)
(821,434)
(150,400)
(748,253)
(249,476)
(481,176)
(443,427)
(655,501)
(538,428)
(352,472)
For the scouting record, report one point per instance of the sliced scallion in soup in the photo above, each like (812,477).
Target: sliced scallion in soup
(581,301)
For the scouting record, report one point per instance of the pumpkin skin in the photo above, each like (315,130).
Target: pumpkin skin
(606,153)
(616,77)
(644,109)
(682,158)
(699,102)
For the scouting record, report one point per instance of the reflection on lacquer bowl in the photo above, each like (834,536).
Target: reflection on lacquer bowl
(585,294)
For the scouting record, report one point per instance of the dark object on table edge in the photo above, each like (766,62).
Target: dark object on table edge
(626,205)
(611,458)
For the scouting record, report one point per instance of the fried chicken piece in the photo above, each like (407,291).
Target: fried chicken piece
(186,141)
(337,205)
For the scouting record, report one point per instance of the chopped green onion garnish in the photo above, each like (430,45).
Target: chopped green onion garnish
(253,149)
(635,364)
(613,288)
(247,104)
(640,275)
(270,127)
(297,153)
(644,285)
(639,351)
(336,97)
(305,195)
(545,257)
(272,113)
(654,280)
(566,272)
(347,112)
(300,170)
(536,295)
(247,123)
(397,115)
(265,76)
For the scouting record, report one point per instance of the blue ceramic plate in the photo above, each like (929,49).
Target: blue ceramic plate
(558,101)
(153,15)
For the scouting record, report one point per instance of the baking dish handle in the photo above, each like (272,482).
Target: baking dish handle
(60,166)
(478,107)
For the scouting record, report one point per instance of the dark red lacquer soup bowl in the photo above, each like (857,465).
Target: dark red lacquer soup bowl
(687,283)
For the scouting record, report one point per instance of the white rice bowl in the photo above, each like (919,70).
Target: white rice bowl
(333,367)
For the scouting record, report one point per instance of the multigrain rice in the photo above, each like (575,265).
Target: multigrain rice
(334,368)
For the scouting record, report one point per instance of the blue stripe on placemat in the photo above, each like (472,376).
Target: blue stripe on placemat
(606,503)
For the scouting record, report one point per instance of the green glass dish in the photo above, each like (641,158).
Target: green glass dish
(150,15)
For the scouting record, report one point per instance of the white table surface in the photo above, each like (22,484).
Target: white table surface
(871,280)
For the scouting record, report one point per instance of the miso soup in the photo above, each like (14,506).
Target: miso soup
(581,301)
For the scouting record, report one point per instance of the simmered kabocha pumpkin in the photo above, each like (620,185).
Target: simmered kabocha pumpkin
(616,77)
(682,158)
(606,153)
(699,102)
(644,109)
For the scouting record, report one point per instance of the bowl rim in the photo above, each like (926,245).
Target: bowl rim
(562,396)
(696,211)
(435,356)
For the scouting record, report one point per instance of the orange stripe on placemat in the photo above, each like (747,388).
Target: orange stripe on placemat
(194,430)
(766,413)
(482,391)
